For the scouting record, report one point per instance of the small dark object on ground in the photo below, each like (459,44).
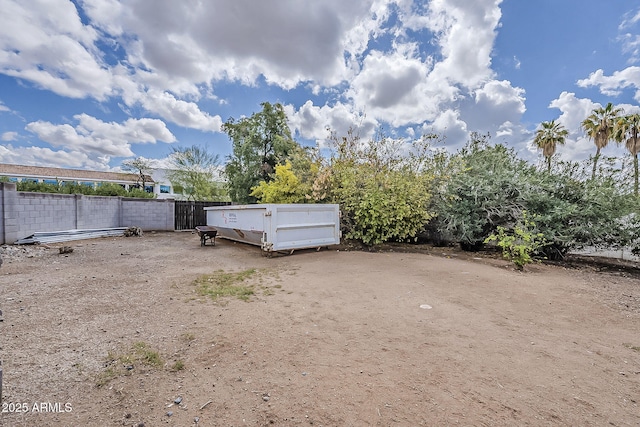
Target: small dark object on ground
(66,250)
(133,231)
(206,233)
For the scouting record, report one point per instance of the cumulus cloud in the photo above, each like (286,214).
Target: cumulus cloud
(287,41)
(492,105)
(573,111)
(465,33)
(92,136)
(46,43)
(39,156)
(181,112)
(314,122)
(614,84)
(448,123)
(9,136)
(404,87)
(396,88)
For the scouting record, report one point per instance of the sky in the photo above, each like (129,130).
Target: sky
(88,84)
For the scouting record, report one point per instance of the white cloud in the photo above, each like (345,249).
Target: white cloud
(45,42)
(492,105)
(573,111)
(629,35)
(92,136)
(314,122)
(465,33)
(287,41)
(396,88)
(38,156)
(9,136)
(448,123)
(178,111)
(614,84)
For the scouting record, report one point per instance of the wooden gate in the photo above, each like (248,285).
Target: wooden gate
(191,214)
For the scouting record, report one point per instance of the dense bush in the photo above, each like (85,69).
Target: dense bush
(490,187)
(573,212)
(482,190)
(382,188)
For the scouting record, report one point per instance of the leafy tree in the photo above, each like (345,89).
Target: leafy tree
(260,142)
(548,137)
(193,172)
(599,127)
(627,131)
(139,166)
(292,182)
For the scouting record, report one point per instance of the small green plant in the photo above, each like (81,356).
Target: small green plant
(177,366)
(223,284)
(632,347)
(143,353)
(116,365)
(521,243)
(188,336)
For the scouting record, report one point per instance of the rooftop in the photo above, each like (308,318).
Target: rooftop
(67,174)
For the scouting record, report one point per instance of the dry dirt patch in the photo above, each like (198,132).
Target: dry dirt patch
(329,338)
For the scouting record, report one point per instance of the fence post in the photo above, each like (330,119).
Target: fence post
(10,224)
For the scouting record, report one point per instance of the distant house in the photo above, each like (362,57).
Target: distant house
(18,173)
(163,188)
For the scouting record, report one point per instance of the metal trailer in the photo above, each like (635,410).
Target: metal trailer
(278,227)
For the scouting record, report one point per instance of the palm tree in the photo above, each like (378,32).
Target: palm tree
(548,137)
(599,127)
(627,130)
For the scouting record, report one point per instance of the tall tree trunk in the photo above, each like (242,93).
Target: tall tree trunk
(595,163)
(548,164)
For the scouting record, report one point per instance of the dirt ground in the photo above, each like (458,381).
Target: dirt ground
(117,334)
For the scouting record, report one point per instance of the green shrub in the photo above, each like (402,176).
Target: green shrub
(521,243)
(574,211)
(483,191)
(284,188)
(383,190)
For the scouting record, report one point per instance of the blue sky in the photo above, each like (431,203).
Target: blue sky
(90,83)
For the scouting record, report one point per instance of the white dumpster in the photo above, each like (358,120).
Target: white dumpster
(278,227)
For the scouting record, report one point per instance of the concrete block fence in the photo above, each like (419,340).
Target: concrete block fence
(24,213)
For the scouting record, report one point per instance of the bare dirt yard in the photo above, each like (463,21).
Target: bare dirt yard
(125,332)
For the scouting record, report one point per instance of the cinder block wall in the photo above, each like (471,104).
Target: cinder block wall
(148,214)
(24,213)
(45,212)
(98,212)
(2,184)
